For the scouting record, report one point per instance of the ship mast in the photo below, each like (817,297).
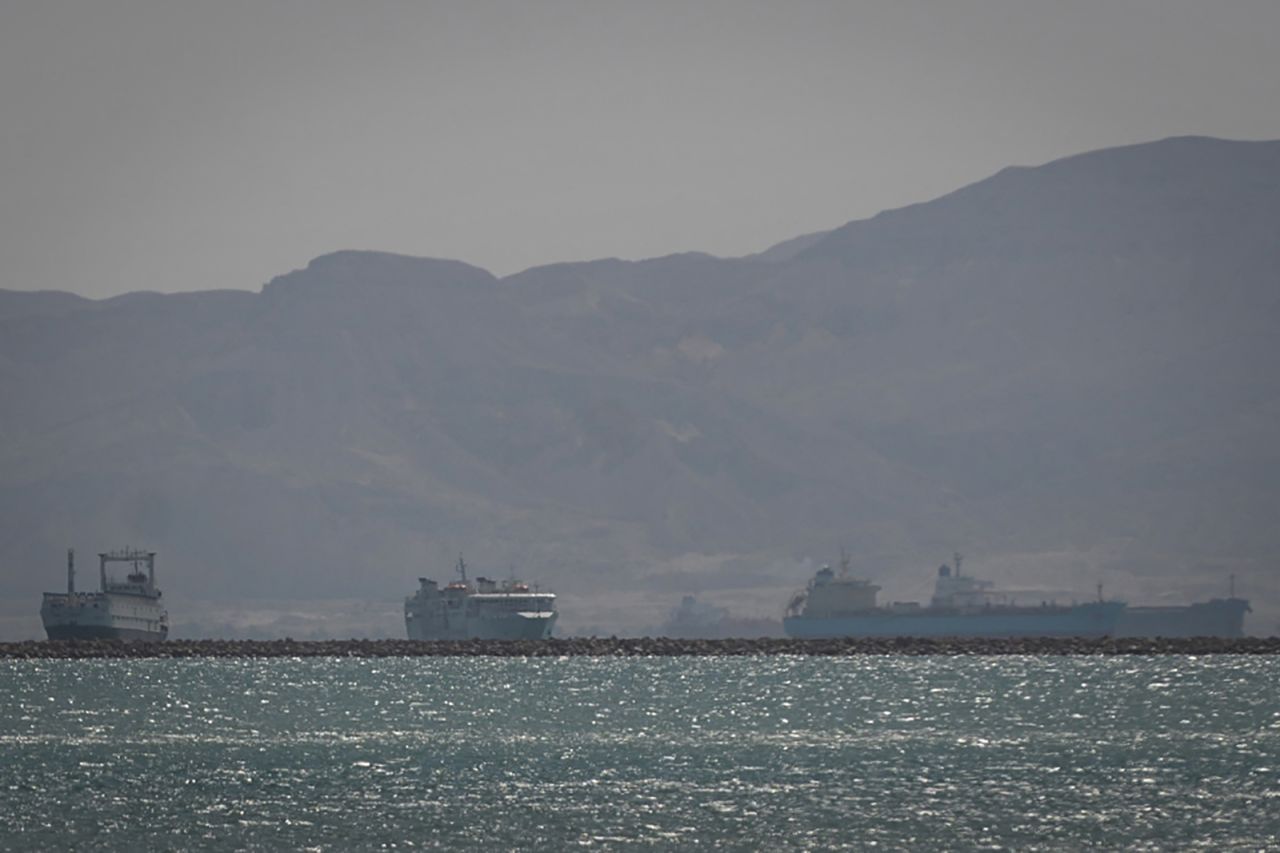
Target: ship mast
(958,557)
(71,571)
(462,568)
(844,562)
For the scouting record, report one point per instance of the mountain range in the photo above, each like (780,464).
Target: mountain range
(1067,372)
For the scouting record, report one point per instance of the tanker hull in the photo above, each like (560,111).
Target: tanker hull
(1220,617)
(1084,620)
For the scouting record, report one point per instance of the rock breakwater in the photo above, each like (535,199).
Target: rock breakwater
(637,647)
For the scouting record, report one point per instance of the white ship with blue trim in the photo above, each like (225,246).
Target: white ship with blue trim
(485,610)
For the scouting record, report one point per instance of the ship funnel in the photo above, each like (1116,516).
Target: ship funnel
(71,571)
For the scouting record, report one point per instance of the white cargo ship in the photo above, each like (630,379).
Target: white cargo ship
(127,609)
(485,610)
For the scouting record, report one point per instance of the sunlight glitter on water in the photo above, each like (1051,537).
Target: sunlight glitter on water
(778,753)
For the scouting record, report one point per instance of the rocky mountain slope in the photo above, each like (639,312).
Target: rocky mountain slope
(1068,372)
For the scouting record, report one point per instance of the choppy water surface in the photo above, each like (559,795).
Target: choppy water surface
(752,753)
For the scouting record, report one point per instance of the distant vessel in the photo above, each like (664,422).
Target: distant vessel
(487,610)
(694,619)
(126,609)
(699,620)
(962,606)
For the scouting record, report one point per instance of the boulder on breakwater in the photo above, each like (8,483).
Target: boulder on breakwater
(637,647)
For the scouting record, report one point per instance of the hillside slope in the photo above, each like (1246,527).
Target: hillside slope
(1066,371)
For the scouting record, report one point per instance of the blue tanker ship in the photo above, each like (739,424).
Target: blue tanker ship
(837,605)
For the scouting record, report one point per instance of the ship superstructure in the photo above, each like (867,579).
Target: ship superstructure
(127,609)
(485,610)
(839,605)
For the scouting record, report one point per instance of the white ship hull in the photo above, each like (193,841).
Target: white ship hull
(516,626)
(86,616)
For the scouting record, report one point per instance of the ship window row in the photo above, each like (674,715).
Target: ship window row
(518,604)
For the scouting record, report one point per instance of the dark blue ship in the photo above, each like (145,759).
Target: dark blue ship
(1217,617)
(838,605)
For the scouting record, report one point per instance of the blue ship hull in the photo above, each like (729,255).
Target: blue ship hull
(1217,618)
(1096,619)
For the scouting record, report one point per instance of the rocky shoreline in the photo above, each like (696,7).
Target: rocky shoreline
(638,647)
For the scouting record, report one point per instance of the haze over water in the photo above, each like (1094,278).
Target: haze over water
(738,753)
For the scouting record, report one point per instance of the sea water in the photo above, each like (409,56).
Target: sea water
(768,753)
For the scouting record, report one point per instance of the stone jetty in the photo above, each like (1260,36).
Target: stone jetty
(635,647)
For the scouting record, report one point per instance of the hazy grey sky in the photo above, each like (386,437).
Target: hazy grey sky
(181,146)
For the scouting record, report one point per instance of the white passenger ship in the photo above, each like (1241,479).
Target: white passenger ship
(485,610)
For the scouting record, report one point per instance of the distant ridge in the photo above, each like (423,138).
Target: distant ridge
(1104,193)
(1066,370)
(379,269)
(788,249)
